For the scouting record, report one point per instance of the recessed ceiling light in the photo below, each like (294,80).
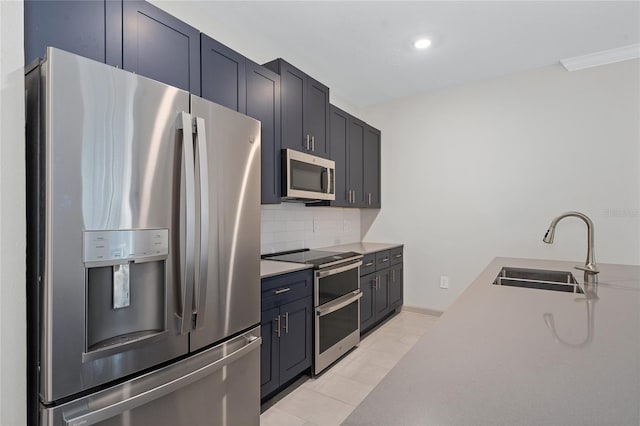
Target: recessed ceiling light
(422,43)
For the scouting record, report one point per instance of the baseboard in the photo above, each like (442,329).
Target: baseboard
(420,310)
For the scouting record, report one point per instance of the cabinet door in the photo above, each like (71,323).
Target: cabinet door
(159,46)
(316,117)
(367,301)
(382,294)
(263,103)
(222,74)
(372,167)
(356,148)
(295,338)
(77,27)
(269,351)
(339,134)
(395,286)
(292,83)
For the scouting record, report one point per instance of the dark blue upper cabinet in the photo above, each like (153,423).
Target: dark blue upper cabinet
(222,75)
(263,103)
(77,27)
(355,169)
(371,166)
(159,46)
(304,106)
(339,138)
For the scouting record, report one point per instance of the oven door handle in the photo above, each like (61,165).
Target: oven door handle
(339,303)
(326,273)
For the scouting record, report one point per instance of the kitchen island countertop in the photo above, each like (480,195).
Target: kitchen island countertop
(504,355)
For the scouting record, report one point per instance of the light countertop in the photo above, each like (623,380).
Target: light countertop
(504,355)
(269,268)
(363,248)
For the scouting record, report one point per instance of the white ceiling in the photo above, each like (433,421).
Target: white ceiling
(363,50)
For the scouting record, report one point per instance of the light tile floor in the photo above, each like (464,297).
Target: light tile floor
(329,399)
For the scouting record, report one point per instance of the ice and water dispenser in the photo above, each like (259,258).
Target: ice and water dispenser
(125,287)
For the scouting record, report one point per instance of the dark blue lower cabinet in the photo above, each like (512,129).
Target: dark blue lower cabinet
(382,294)
(286,327)
(367,311)
(382,291)
(269,352)
(395,286)
(295,338)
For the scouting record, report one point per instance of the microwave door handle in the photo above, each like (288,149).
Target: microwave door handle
(186,274)
(326,180)
(203,175)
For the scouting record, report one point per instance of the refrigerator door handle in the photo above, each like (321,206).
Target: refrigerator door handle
(186,274)
(157,392)
(203,176)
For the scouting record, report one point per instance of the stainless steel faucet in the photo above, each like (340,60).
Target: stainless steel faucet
(590,265)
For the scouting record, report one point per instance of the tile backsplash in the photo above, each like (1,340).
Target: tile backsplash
(290,226)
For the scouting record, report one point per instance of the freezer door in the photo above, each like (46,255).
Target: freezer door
(219,386)
(115,201)
(227,273)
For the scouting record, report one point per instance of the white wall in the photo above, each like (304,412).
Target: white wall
(479,171)
(290,226)
(12,217)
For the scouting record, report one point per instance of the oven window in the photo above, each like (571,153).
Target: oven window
(337,325)
(334,286)
(307,177)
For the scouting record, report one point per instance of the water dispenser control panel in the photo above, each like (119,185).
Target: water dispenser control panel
(121,246)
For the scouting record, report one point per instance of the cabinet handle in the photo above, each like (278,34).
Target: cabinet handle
(286,322)
(278,328)
(282,290)
(368,264)
(313,143)
(306,142)
(353,197)
(398,255)
(369,198)
(386,259)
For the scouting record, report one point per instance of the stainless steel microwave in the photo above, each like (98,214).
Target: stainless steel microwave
(307,177)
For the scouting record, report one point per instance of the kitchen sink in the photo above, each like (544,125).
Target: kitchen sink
(538,278)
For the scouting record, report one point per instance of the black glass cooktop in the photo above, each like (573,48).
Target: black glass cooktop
(317,258)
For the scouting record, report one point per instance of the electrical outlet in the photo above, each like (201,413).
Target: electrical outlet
(444,281)
(346,225)
(316,224)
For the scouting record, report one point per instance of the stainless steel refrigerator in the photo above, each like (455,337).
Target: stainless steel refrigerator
(143,251)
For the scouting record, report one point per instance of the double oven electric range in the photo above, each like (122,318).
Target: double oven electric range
(336,300)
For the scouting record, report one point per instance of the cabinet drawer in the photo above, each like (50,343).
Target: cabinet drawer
(396,255)
(368,264)
(286,288)
(382,260)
